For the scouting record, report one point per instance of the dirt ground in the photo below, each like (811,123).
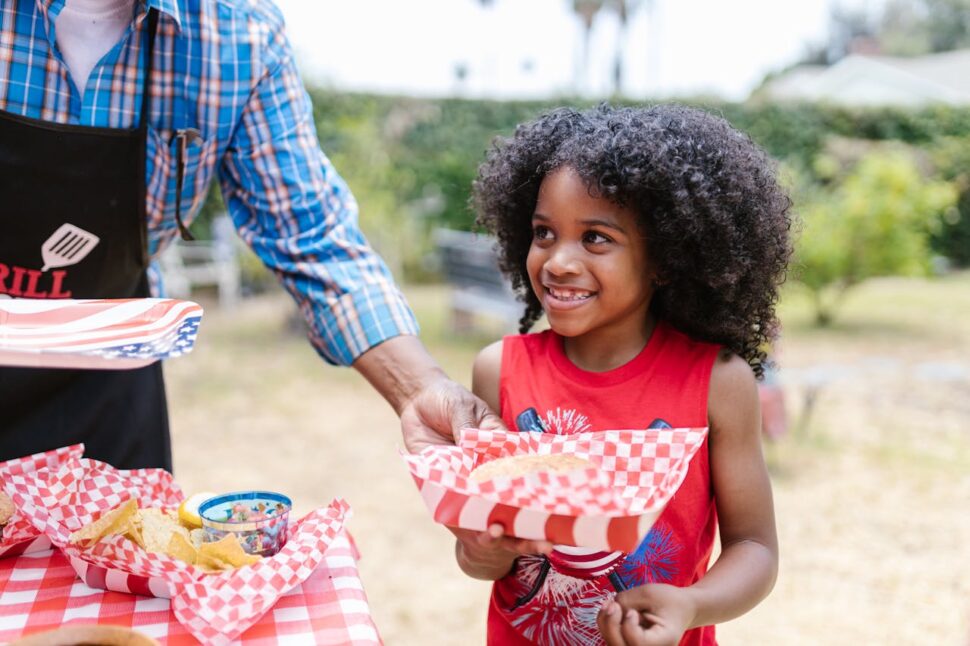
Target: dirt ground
(872,484)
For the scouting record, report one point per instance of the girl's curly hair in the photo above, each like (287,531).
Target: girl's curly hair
(715,219)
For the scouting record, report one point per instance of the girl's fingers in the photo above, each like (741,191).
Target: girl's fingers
(630,628)
(609,620)
(494,536)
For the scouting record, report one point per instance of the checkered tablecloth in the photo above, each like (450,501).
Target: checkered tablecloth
(41,591)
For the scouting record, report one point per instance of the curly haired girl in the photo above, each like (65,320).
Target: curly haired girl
(654,241)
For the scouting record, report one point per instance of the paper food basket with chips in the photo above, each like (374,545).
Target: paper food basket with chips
(214,607)
(609,506)
(19,534)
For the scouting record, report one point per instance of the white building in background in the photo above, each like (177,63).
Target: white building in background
(870,80)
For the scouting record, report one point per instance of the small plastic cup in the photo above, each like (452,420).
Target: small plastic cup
(258,519)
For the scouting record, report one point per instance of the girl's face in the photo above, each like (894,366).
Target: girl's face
(588,264)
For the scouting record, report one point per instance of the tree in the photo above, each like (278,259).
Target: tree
(623,10)
(586,10)
(876,222)
(901,28)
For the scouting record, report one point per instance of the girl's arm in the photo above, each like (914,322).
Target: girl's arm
(746,569)
(490,555)
(485,374)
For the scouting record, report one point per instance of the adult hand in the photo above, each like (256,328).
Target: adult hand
(440,410)
(654,614)
(432,407)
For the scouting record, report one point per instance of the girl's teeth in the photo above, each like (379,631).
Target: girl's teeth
(569,294)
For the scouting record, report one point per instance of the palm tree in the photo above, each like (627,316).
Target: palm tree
(586,10)
(624,9)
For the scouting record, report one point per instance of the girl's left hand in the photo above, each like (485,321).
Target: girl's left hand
(654,614)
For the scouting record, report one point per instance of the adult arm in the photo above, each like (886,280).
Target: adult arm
(292,207)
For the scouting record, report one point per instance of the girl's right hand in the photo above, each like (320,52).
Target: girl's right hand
(490,554)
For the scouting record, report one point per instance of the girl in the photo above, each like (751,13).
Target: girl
(654,241)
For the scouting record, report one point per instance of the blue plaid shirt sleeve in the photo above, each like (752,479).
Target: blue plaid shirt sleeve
(226,69)
(299,216)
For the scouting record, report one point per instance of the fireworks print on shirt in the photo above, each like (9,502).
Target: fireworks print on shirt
(654,561)
(566,422)
(569,622)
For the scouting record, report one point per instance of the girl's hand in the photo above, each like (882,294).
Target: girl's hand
(490,554)
(654,614)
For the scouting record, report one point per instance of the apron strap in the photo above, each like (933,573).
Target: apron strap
(146,81)
(180,136)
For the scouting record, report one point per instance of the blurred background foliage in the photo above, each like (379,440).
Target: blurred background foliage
(877,191)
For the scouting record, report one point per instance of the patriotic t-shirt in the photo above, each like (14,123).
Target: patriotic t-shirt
(555,600)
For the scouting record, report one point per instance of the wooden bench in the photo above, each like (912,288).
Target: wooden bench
(186,265)
(478,288)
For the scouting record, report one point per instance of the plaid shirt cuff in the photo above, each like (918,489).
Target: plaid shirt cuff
(344,328)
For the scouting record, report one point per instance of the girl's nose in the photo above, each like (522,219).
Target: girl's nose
(563,261)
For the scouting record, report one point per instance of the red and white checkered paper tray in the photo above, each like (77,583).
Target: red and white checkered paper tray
(610,507)
(19,534)
(215,608)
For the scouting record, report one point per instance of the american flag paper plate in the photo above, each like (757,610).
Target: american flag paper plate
(95,333)
(609,507)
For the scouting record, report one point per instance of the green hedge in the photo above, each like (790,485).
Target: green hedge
(433,147)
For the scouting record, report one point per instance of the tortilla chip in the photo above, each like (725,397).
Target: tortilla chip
(197,537)
(7,508)
(158,527)
(114,521)
(180,548)
(228,550)
(134,533)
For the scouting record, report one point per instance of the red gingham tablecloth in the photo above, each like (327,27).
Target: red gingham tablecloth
(41,591)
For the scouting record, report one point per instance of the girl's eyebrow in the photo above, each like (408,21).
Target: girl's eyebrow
(590,222)
(609,224)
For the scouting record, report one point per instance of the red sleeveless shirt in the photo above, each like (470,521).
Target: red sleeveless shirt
(555,600)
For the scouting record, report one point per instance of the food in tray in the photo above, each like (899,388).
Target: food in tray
(6,509)
(518,465)
(86,635)
(189,509)
(159,531)
(258,519)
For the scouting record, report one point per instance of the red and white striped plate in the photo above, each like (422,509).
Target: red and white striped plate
(95,333)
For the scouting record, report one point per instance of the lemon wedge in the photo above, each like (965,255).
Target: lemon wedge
(189,509)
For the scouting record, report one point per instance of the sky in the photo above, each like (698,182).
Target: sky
(533,48)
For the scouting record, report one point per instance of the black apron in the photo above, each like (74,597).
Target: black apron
(79,193)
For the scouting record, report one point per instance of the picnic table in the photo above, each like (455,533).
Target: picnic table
(40,591)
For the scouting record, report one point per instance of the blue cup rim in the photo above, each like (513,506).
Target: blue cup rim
(273,496)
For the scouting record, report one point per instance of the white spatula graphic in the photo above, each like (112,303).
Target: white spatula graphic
(68,246)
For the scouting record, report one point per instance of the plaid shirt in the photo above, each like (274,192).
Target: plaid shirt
(225,68)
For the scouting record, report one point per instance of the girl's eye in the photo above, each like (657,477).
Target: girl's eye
(540,232)
(594,237)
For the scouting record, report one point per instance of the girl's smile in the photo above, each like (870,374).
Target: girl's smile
(565,297)
(589,267)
